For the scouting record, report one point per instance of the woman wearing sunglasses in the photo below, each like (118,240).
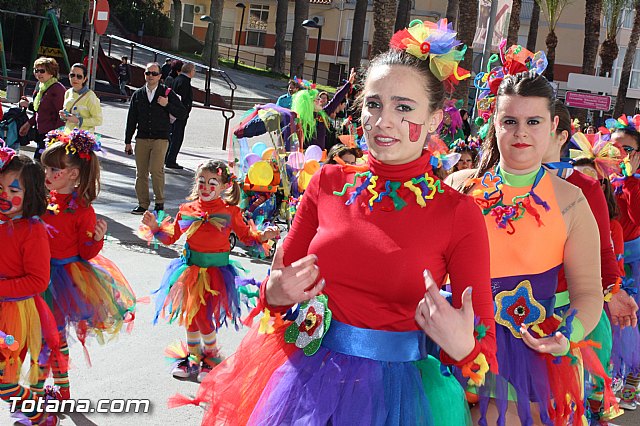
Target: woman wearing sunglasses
(48,98)
(81,106)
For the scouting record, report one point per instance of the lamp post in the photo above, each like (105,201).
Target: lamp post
(207,83)
(315,23)
(243,7)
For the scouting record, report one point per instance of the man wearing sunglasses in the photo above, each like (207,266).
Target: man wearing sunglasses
(148,118)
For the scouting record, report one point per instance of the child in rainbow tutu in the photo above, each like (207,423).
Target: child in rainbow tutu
(87,292)
(199,289)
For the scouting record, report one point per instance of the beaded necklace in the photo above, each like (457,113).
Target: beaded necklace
(492,200)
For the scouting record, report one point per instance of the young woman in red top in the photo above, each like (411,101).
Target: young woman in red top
(87,291)
(378,242)
(200,288)
(25,319)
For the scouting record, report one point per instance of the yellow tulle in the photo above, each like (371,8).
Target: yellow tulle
(21,320)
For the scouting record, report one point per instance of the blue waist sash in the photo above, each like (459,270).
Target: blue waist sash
(65,260)
(378,345)
(632,251)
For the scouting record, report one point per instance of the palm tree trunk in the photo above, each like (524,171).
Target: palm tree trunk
(552,43)
(403,15)
(514,23)
(608,54)
(532,38)
(357,34)
(451,14)
(592,13)
(628,63)
(280,48)
(384,15)
(299,41)
(467,24)
(177,20)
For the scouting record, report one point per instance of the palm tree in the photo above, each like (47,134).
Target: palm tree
(299,40)
(612,10)
(592,14)
(177,20)
(357,33)
(403,15)
(280,47)
(552,10)
(213,33)
(514,23)
(628,62)
(384,16)
(468,19)
(532,37)
(451,14)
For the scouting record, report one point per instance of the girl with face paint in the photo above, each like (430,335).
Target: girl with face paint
(87,293)
(25,319)
(377,240)
(199,289)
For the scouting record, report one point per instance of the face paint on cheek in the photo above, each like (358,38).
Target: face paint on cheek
(16,201)
(366,117)
(415,130)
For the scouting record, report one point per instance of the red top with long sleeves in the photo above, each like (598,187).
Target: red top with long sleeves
(24,264)
(373,260)
(618,245)
(598,204)
(629,204)
(210,238)
(72,228)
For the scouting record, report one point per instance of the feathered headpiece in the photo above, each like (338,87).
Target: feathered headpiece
(436,41)
(623,122)
(605,156)
(6,154)
(514,60)
(304,84)
(448,131)
(81,142)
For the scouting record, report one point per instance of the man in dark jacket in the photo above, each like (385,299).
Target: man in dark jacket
(149,115)
(182,87)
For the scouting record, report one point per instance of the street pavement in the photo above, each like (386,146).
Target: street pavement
(133,365)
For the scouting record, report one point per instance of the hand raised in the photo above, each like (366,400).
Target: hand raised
(450,328)
(149,220)
(288,285)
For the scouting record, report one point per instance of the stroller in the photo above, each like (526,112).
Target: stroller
(10,125)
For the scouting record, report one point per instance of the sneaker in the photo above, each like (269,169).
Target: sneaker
(174,166)
(627,398)
(159,207)
(208,363)
(138,210)
(184,369)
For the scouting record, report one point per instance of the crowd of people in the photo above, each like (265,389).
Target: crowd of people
(432,275)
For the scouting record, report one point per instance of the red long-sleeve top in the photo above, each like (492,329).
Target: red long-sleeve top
(208,238)
(72,227)
(598,204)
(617,236)
(373,261)
(24,264)
(629,204)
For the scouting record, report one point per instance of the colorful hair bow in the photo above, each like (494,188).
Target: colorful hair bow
(436,41)
(6,154)
(304,84)
(605,156)
(626,122)
(514,60)
(81,142)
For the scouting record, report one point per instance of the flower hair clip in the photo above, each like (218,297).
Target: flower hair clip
(304,84)
(473,143)
(6,154)
(81,142)
(437,42)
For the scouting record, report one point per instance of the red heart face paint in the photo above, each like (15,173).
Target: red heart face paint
(415,130)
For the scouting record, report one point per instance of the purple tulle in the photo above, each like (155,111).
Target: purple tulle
(65,300)
(324,389)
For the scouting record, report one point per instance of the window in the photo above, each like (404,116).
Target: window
(187,18)
(257,25)
(634,79)
(627,18)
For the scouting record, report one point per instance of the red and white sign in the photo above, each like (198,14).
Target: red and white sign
(99,16)
(587,101)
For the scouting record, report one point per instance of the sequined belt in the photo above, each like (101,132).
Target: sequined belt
(378,345)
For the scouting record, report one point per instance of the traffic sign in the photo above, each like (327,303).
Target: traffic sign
(99,16)
(587,101)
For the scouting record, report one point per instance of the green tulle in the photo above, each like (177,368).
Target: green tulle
(602,335)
